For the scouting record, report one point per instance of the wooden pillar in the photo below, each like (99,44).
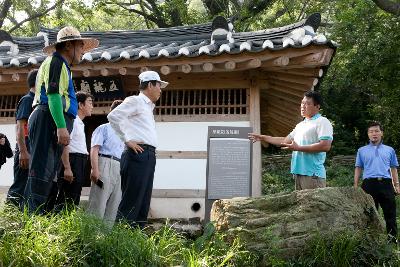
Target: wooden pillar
(256,124)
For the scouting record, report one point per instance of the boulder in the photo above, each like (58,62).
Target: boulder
(282,223)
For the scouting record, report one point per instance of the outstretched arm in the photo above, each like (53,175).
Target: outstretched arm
(268,139)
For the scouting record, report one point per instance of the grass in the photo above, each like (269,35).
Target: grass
(75,238)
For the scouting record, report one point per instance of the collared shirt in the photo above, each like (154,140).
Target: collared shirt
(105,137)
(77,142)
(54,77)
(307,132)
(376,160)
(133,120)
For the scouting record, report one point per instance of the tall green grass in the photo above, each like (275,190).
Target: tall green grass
(349,248)
(73,238)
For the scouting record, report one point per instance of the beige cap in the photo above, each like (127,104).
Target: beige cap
(69,33)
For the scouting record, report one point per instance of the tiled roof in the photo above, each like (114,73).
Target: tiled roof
(183,41)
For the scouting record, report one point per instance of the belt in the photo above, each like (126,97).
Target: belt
(379,179)
(80,155)
(148,147)
(110,157)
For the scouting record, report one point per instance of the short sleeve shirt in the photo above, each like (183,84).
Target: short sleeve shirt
(105,137)
(77,142)
(376,160)
(307,132)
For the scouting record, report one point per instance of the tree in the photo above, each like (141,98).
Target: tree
(29,10)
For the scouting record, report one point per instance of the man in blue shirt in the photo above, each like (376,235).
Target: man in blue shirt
(378,165)
(105,155)
(21,158)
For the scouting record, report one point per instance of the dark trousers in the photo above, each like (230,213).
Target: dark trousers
(383,194)
(137,175)
(45,157)
(70,193)
(15,193)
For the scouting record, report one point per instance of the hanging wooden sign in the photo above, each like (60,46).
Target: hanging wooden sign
(104,87)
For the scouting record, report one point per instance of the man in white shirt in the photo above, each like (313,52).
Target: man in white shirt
(74,157)
(133,121)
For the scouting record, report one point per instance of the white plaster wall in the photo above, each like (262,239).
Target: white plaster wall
(188,136)
(182,208)
(6,171)
(172,136)
(184,136)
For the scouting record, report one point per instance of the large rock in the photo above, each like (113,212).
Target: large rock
(283,223)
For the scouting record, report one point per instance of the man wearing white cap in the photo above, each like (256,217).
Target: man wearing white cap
(133,121)
(50,124)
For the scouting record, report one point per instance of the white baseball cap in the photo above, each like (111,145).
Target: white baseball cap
(151,76)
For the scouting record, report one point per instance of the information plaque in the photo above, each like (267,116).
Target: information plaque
(229,164)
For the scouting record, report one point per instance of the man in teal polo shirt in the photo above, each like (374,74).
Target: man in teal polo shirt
(378,164)
(309,141)
(50,124)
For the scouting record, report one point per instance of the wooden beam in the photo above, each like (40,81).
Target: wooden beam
(185,68)
(181,154)
(317,72)
(144,68)
(86,73)
(289,85)
(250,64)
(202,118)
(165,70)
(278,127)
(280,61)
(15,77)
(122,71)
(286,118)
(285,90)
(208,67)
(230,65)
(254,110)
(318,59)
(294,79)
(286,95)
(5,78)
(108,72)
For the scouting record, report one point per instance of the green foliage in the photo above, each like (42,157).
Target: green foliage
(347,248)
(76,239)
(276,177)
(339,174)
(363,82)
